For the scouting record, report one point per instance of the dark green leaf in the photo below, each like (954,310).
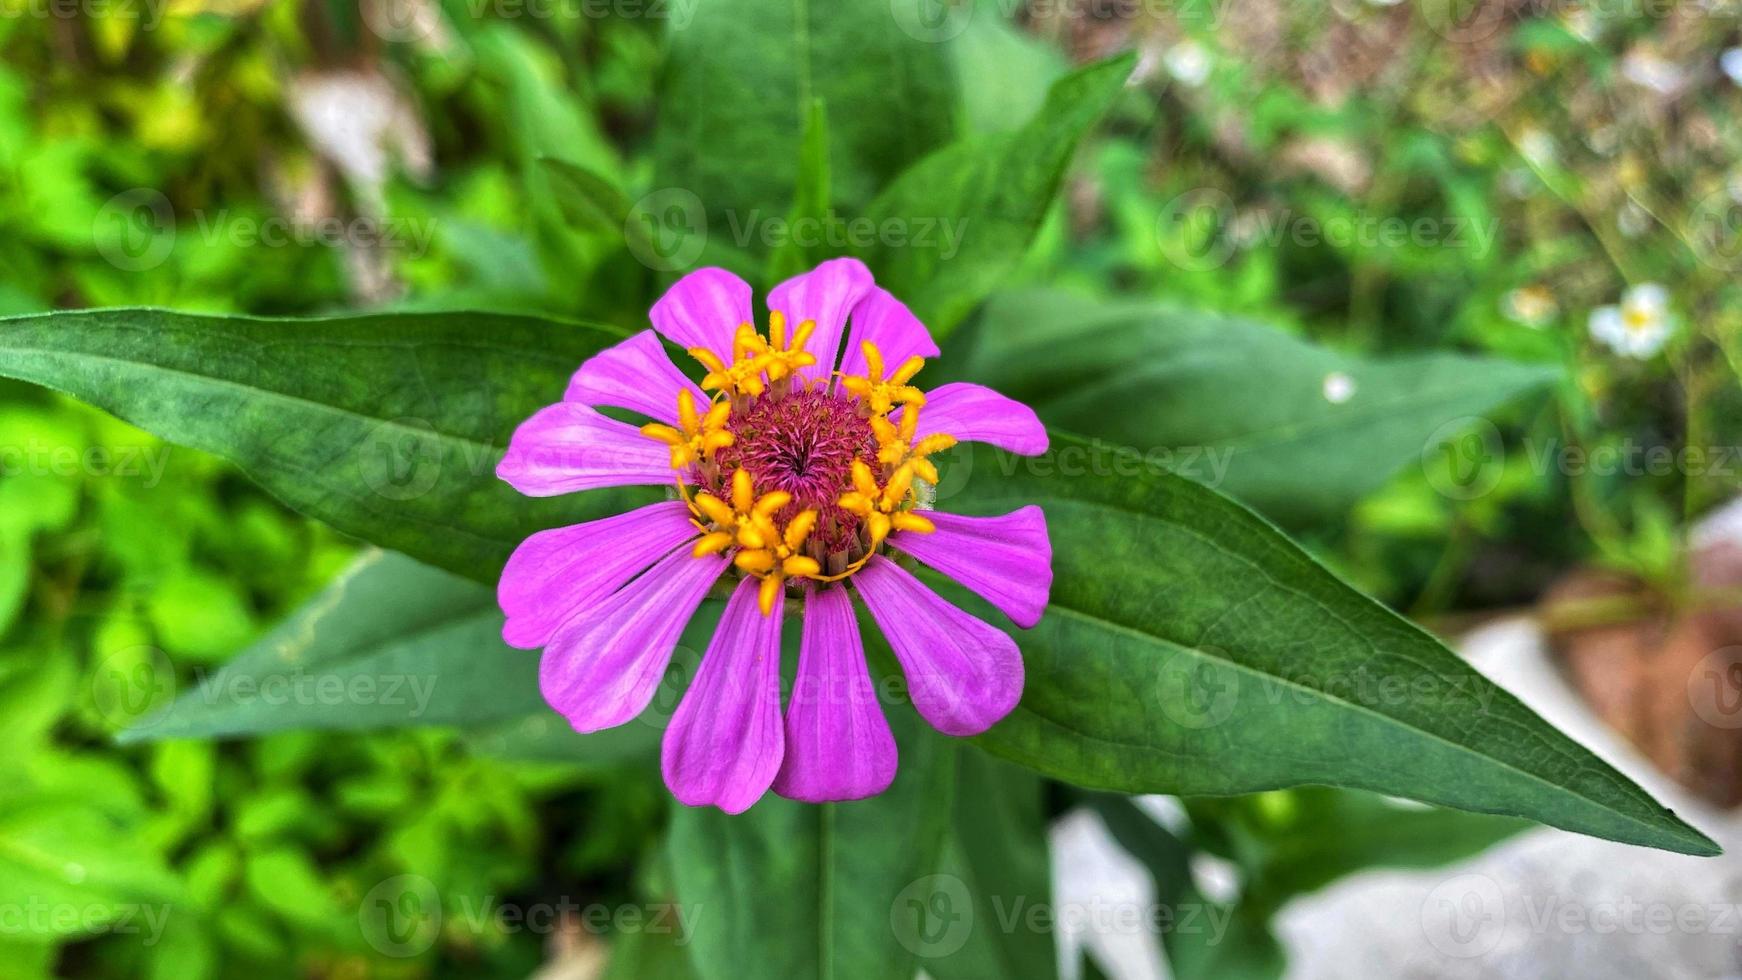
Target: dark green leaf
(968,213)
(997,854)
(587,198)
(811,219)
(391,643)
(386,426)
(741,77)
(804,891)
(1191,648)
(1232,403)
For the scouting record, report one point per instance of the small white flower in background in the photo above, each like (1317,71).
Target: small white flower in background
(1583,24)
(1338,387)
(1534,306)
(1188,62)
(1731,62)
(1632,220)
(1537,146)
(1639,326)
(1647,68)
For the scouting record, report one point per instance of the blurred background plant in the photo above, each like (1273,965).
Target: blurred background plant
(1381,179)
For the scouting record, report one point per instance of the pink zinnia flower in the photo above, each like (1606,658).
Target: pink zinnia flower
(796,476)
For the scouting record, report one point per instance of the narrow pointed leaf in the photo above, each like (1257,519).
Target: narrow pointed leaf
(967,214)
(806,891)
(1295,430)
(1191,648)
(386,426)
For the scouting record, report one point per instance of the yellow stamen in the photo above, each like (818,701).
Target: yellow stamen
(896,447)
(780,356)
(884,508)
(764,549)
(756,361)
(880,394)
(697,437)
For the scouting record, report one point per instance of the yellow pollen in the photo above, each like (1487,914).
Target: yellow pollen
(1635,319)
(896,448)
(884,509)
(765,550)
(757,361)
(697,437)
(882,393)
(785,357)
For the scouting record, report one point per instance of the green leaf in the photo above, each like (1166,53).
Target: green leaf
(1236,404)
(386,426)
(77,871)
(1191,648)
(741,77)
(1005,71)
(811,220)
(968,213)
(391,643)
(1204,940)
(586,198)
(805,891)
(1309,837)
(997,854)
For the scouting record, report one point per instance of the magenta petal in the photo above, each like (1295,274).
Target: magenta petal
(1006,560)
(838,744)
(825,294)
(601,669)
(962,674)
(883,320)
(561,573)
(724,743)
(635,374)
(567,447)
(976,413)
(704,309)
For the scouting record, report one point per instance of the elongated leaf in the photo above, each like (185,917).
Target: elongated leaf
(997,854)
(1191,648)
(1309,837)
(740,79)
(812,216)
(588,199)
(806,891)
(1204,939)
(70,856)
(391,643)
(387,427)
(968,213)
(1297,431)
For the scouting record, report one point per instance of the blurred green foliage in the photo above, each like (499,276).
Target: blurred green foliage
(147,153)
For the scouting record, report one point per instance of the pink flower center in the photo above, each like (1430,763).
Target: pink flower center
(803,442)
